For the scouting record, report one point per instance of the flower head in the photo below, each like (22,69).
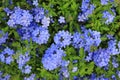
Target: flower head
(62,38)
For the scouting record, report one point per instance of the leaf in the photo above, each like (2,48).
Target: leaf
(65,6)
(81,54)
(15,77)
(86,68)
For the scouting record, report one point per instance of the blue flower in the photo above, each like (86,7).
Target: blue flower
(85,5)
(20,17)
(78,41)
(35,2)
(89,56)
(8,51)
(29,2)
(114,63)
(86,10)
(102,77)
(65,72)
(86,39)
(101,57)
(5,77)
(74,69)
(38,14)
(118,73)
(113,77)
(65,63)
(3,37)
(27,69)
(52,58)
(40,35)
(61,19)
(22,60)
(8,11)
(45,22)
(30,77)
(2,58)
(112,47)
(105,2)
(63,38)
(26,32)
(26,18)
(109,17)
(9,59)
(6,59)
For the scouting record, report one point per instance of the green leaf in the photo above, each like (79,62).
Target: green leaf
(15,77)
(81,54)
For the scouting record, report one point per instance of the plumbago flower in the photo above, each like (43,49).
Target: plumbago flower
(45,22)
(52,58)
(62,38)
(22,60)
(115,63)
(35,2)
(112,47)
(32,77)
(26,32)
(39,14)
(6,59)
(29,20)
(20,17)
(86,39)
(101,57)
(5,77)
(105,2)
(86,10)
(65,72)
(40,35)
(61,19)
(108,16)
(3,37)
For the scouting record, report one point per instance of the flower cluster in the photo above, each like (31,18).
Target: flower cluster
(86,39)
(6,55)
(39,16)
(62,39)
(30,29)
(40,35)
(112,47)
(20,17)
(101,57)
(6,77)
(52,58)
(86,10)
(114,63)
(108,16)
(22,60)
(3,37)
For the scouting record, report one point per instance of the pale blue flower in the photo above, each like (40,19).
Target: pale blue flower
(61,19)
